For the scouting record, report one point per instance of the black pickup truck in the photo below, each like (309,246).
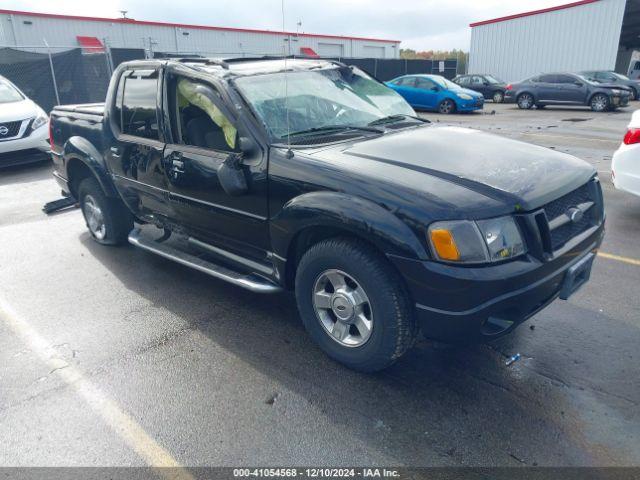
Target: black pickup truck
(312,176)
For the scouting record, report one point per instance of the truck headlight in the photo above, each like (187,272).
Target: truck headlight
(482,241)
(465,96)
(40,120)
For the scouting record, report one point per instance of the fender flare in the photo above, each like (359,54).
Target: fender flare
(78,148)
(357,215)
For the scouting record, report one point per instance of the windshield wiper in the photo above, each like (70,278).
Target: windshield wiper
(326,129)
(396,118)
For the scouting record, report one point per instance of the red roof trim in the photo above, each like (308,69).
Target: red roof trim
(534,12)
(90,44)
(181,25)
(309,52)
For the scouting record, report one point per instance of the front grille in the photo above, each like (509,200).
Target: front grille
(9,129)
(561,229)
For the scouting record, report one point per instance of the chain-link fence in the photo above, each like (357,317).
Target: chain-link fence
(57,75)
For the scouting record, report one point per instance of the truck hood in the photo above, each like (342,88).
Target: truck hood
(505,170)
(10,112)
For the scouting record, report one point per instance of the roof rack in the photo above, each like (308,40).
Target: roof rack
(205,61)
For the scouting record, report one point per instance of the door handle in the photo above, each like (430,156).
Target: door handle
(176,164)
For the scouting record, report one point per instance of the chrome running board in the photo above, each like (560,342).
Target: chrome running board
(252,282)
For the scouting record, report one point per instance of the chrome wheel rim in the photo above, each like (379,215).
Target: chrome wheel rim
(94,217)
(526,101)
(343,308)
(497,97)
(446,107)
(599,103)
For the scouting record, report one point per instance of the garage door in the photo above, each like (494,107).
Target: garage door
(330,50)
(371,51)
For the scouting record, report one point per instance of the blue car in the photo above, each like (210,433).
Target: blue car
(436,93)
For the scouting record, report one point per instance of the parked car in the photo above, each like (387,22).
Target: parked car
(615,79)
(436,93)
(381,222)
(489,86)
(24,136)
(567,89)
(625,165)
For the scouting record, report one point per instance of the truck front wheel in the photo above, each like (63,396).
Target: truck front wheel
(107,219)
(354,304)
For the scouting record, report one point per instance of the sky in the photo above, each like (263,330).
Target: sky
(419,24)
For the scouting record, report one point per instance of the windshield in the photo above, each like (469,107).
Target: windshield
(587,78)
(444,83)
(491,79)
(620,76)
(8,93)
(319,99)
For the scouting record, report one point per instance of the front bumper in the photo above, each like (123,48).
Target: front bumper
(32,148)
(620,100)
(455,303)
(470,105)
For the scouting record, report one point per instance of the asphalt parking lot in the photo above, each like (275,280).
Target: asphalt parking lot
(112,356)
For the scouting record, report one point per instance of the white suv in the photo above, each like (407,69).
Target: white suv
(24,132)
(625,165)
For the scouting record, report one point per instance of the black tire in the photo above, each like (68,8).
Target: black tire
(600,102)
(525,101)
(117,219)
(393,330)
(498,97)
(634,94)
(447,106)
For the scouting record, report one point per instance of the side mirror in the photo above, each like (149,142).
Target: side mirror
(435,89)
(247,145)
(486,84)
(577,83)
(232,177)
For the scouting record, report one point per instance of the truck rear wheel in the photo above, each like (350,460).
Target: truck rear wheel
(354,304)
(107,219)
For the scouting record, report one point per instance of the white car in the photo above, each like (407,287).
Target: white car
(625,165)
(24,127)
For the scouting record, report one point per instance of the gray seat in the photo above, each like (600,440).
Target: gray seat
(203,132)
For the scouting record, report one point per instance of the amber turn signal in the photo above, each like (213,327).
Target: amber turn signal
(444,244)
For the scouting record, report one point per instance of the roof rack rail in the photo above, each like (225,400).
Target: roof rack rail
(205,61)
(272,57)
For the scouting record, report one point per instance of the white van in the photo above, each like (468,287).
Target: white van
(24,127)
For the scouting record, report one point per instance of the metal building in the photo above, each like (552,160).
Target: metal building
(25,29)
(584,35)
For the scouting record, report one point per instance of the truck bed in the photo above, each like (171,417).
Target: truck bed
(84,108)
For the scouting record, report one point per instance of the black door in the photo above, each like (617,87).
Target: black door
(547,89)
(204,135)
(574,90)
(136,157)
(478,84)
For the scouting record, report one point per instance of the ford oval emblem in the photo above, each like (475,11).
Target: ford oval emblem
(575,214)
(3,130)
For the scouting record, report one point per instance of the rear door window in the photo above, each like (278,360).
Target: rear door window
(424,83)
(547,79)
(406,81)
(565,79)
(139,99)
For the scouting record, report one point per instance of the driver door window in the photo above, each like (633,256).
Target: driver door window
(199,121)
